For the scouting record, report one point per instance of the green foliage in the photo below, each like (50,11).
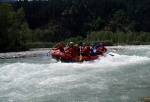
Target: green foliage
(136,43)
(5,22)
(107,43)
(37,35)
(41,44)
(119,16)
(118,38)
(96,24)
(15,32)
(86,15)
(32,23)
(76,40)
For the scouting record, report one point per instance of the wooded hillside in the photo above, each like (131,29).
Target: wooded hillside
(57,20)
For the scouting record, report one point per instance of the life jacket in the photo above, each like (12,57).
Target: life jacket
(70,50)
(75,51)
(60,48)
(86,50)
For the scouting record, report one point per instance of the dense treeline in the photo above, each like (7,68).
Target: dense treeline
(84,15)
(26,24)
(14,30)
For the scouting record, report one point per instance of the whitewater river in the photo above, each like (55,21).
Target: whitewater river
(124,77)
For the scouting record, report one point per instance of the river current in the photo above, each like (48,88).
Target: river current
(124,77)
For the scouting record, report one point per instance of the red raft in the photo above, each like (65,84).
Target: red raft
(60,56)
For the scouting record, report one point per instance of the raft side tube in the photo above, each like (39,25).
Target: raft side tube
(60,56)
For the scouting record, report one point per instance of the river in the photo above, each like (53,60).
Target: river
(124,77)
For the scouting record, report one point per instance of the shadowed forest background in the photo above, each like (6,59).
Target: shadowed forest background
(25,24)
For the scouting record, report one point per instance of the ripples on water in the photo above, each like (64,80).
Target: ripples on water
(120,78)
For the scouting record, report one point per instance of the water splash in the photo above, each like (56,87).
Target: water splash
(117,78)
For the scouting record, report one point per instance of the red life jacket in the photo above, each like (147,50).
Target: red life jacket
(73,51)
(86,50)
(60,48)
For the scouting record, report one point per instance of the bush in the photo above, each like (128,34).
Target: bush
(41,44)
(108,43)
(136,43)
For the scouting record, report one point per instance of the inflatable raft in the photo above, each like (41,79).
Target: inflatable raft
(60,56)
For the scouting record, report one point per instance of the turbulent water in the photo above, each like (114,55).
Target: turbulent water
(124,77)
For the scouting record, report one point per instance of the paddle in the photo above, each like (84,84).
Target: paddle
(108,54)
(147,99)
(59,59)
(80,57)
(94,50)
(111,54)
(49,51)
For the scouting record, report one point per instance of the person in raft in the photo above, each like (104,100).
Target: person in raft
(72,51)
(101,49)
(85,50)
(59,47)
(92,50)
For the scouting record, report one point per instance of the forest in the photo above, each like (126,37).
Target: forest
(32,24)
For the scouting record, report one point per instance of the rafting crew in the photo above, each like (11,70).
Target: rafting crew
(75,53)
(73,50)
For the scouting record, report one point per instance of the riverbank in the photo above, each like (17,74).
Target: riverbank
(23,54)
(42,51)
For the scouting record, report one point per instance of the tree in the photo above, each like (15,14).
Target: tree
(6,19)
(15,32)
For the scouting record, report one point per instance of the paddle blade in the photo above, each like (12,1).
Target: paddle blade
(147,99)
(59,59)
(111,55)
(80,57)
(94,50)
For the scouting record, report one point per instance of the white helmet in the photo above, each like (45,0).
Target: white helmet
(71,43)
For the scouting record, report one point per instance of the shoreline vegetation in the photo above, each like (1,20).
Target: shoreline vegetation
(42,24)
(108,38)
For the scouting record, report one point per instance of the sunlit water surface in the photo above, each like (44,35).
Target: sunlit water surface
(124,77)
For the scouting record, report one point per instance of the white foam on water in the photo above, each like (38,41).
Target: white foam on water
(22,81)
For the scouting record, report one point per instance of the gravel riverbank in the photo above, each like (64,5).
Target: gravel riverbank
(23,54)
